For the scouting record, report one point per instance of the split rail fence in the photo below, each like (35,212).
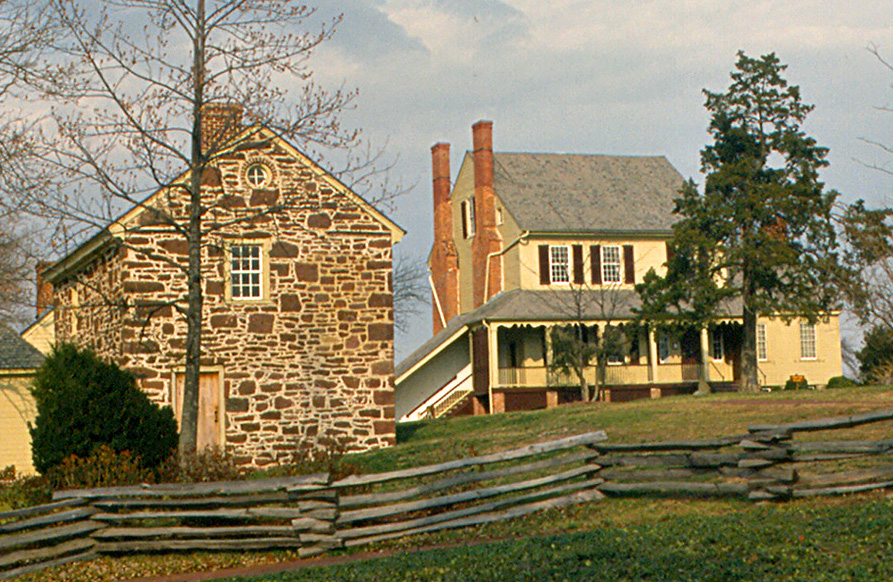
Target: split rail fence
(312,514)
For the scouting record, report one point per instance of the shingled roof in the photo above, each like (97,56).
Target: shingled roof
(16,353)
(587,193)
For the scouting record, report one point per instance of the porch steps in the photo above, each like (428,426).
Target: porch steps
(449,403)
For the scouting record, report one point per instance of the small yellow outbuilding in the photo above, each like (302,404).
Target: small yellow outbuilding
(18,363)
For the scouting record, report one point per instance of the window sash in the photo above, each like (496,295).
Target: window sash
(663,346)
(762,351)
(807,341)
(611,264)
(246,272)
(470,207)
(559,264)
(716,345)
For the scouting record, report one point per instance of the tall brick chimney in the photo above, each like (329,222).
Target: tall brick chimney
(487,240)
(221,122)
(44,297)
(444,258)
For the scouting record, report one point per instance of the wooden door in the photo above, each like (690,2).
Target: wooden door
(209,433)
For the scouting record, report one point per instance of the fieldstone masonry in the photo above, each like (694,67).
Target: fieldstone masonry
(313,359)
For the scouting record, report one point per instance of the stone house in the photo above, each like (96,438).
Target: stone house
(525,242)
(297,337)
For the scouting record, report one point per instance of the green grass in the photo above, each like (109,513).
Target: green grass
(645,525)
(796,542)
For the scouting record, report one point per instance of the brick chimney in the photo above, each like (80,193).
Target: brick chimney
(487,240)
(444,258)
(44,299)
(221,123)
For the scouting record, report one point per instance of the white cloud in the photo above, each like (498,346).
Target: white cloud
(600,76)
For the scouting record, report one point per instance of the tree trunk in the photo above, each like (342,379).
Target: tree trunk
(749,372)
(189,410)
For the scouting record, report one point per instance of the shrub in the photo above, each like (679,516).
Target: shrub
(105,467)
(212,464)
(19,491)
(796,383)
(840,382)
(876,356)
(83,403)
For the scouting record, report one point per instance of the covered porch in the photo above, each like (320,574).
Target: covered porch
(651,363)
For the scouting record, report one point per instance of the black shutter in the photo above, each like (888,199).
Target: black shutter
(545,277)
(464,209)
(671,252)
(578,264)
(595,255)
(629,269)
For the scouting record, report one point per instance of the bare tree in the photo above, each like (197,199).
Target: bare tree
(592,333)
(411,295)
(129,108)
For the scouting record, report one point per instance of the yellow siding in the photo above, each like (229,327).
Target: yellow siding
(784,357)
(463,190)
(16,411)
(42,333)
(647,254)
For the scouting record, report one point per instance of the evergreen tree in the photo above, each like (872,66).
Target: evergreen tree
(761,235)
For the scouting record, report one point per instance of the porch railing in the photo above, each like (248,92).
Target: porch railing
(615,375)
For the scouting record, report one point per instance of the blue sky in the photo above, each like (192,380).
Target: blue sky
(599,77)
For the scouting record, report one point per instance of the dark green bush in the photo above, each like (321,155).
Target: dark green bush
(876,356)
(83,402)
(796,383)
(840,382)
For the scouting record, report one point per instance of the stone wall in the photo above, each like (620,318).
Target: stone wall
(313,359)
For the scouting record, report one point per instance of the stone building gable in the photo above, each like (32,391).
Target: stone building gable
(312,359)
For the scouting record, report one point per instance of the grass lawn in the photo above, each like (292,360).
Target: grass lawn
(851,540)
(628,539)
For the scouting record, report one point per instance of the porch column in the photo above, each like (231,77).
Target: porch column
(493,354)
(551,393)
(652,356)
(704,367)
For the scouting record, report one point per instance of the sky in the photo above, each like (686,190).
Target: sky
(606,77)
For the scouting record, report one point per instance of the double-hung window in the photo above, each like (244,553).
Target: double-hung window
(559,264)
(611,266)
(762,347)
(246,271)
(807,341)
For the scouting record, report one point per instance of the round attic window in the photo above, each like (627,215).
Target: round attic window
(257,175)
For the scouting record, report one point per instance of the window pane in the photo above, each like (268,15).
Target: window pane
(611,264)
(246,271)
(807,341)
(559,264)
(762,352)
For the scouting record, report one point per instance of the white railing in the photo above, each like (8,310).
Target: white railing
(462,382)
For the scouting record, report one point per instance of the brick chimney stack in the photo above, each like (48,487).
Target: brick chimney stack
(221,123)
(44,299)
(444,258)
(487,240)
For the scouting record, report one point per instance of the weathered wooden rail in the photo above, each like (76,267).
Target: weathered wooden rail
(313,514)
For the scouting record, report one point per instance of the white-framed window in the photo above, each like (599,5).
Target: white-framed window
(611,265)
(663,346)
(807,341)
(559,264)
(469,216)
(246,271)
(762,347)
(716,345)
